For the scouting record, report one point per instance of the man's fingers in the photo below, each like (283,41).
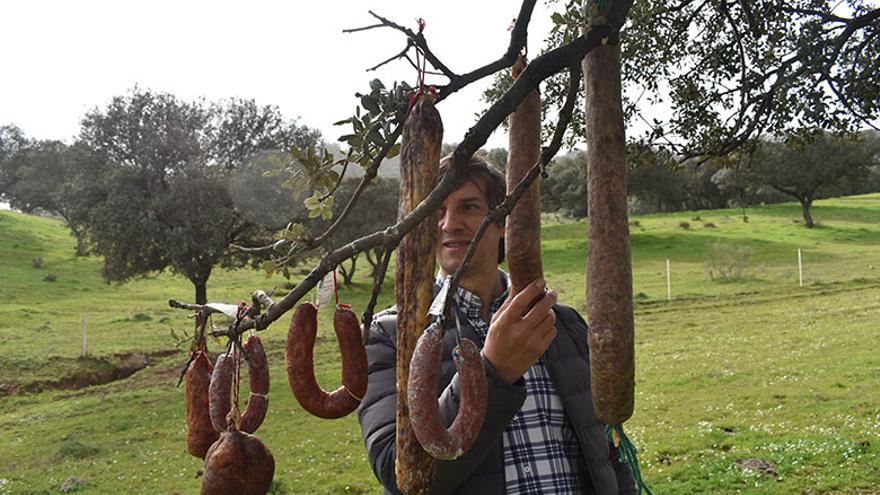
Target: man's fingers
(521,300)
(541,309)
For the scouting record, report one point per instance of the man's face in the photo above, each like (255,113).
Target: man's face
(458,220)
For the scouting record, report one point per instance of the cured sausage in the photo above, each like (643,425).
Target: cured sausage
(299,357)
(442,443)
(609,269)
(258,377)
(200,434)
(419,164)
(523,232)
(219,391)
(238,464)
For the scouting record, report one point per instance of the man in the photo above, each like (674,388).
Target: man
(540,434)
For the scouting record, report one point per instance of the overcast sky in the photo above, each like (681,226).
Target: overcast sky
(62,58)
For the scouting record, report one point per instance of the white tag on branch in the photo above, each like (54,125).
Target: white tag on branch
(326,289)
(437,306)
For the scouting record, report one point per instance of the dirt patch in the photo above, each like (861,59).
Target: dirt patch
(87,371)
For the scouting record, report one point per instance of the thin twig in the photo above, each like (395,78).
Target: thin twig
(419,40)
(367,319)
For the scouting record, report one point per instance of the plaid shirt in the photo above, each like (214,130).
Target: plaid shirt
(541,451)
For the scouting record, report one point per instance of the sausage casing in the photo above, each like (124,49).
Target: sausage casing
(258,377)
(219,391)
(440,442)
(200,433)
(523,232)
(299,358)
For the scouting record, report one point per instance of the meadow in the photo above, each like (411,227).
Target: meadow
(752,384)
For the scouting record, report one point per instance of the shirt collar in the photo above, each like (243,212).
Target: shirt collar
(469,302)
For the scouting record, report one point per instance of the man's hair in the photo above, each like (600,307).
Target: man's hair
(487,178)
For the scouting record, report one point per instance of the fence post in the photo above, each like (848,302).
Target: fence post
(668,282)
(84,345)
(800,268)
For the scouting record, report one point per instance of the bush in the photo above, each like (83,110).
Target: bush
(727,262)
(684,225)
(50,278)
(708,225)
(38,263)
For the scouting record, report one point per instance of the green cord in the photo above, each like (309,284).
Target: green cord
(628,455)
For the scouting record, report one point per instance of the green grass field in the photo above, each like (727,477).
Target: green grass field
(755,368)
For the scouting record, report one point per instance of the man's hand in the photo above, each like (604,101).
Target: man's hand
(518,335)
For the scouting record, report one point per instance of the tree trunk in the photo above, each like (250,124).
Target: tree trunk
(806,203)
(81,248)
(348,273)
(201,291)
(374,258)
(609,270)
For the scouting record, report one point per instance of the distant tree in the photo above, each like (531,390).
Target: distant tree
(565,188)
(167,166)
(808,164)
(55,178)
(12,139)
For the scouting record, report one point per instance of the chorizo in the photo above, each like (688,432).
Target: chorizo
(258,378)
(442,443)
(219,391)
(609,269)
(200,433)
(419,164)
(523,232)
(299,358)
(238,464)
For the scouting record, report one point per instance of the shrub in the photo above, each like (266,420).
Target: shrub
(727,262)
(71,447)
(708,225)
(50,278)
(696,218)
(38,263)
(684,225)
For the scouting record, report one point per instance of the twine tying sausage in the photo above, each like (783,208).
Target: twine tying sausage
(628,454)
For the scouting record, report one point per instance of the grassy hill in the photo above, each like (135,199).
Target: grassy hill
(730,373)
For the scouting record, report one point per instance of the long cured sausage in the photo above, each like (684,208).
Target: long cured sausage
(440,442)
(609,270)
(523,233)
(299,357)
(419,163)
(258,378)
(200,434)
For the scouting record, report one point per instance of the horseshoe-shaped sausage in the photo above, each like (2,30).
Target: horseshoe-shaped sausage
(258,376)
(442,443)
(219,391)
(299,357)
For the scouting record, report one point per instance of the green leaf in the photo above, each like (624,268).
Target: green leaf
(343,122)
(393,151)
(370,104)
(376,84)
(296,152)
(314,213)
(269,267)
(557,18)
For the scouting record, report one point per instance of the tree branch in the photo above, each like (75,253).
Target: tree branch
(539,69)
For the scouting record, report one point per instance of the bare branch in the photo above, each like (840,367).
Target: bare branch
(540,68)
(518,38)
(419,40)
(367,318)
